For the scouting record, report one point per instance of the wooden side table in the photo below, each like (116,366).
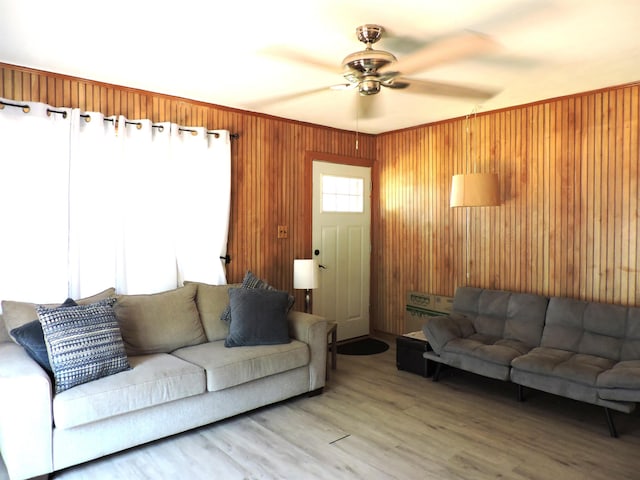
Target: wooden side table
(332,339)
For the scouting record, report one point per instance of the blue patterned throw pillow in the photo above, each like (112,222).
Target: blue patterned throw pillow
(83,342)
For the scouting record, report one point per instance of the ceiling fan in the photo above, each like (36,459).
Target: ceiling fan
(371,69)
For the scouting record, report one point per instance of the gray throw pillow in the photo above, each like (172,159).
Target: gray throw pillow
(30,336)
(251,281)
(84,342)
(258,317)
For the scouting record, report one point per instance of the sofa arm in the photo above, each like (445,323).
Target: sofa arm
(312,330)
(25,414)
(441,330)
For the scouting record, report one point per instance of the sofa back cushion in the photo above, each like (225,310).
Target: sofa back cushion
(4,334)
(16,314)
(603,330)
(500,314)
(525,318)
(563,325)
(212,300)
(160,322)
(487,309)
(631,343)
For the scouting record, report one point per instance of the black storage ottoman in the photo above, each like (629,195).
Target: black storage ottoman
(409,350)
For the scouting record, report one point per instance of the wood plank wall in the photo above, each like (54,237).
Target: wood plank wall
(269,166)
(568,224)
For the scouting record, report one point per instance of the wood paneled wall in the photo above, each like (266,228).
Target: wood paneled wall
(268,162)
(568,224)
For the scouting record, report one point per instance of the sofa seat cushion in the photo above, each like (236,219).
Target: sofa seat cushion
(487,348)
(153,380)
(622,382)
(575,367)
(227,367)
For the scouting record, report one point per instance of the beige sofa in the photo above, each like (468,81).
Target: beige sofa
(163,393)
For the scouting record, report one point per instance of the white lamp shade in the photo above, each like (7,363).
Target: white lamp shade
(475,190)
(305,274)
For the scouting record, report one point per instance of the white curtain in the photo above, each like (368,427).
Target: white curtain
(88,203)
(202,234)
(34,180)
(147,254)
(93,215)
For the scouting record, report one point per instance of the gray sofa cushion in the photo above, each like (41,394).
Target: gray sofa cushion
(561,372)
(591,328)
(557,386)
(516,316)
(525,318)
(562,364)
(492,312)
(622,382)
(440,330)
(490,349)
(466,299)
(631,343)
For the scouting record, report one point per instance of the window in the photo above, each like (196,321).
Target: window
(342,194)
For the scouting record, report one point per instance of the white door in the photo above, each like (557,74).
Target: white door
(342,245)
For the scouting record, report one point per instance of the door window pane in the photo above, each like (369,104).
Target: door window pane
(342,194)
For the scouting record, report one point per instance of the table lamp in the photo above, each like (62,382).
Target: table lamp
(305,277)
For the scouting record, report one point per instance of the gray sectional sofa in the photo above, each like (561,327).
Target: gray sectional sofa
(179,376)
(586,351)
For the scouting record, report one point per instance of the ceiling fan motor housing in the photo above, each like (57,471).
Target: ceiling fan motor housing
(369,86)
(362,67)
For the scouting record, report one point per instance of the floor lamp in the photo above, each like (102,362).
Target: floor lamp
(474,190)
(305,277)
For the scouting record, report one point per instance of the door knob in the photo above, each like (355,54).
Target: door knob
(322,266)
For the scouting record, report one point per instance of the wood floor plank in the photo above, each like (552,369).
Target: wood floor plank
(375,422)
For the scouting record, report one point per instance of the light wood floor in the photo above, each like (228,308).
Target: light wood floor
(374,422)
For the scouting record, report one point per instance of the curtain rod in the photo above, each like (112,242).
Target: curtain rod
(27,109)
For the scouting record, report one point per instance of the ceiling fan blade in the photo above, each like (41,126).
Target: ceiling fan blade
(450,49)
(286,97)
(445,89)
(297,56)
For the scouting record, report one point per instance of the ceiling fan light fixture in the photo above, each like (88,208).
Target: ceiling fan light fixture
(369,86)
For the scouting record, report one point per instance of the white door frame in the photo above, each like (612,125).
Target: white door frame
(310,156)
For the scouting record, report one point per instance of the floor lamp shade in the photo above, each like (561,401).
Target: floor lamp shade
(475,190)
(305,274)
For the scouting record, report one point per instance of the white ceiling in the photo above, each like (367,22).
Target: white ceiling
(216,51)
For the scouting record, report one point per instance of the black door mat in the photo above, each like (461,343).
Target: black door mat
(365,346)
